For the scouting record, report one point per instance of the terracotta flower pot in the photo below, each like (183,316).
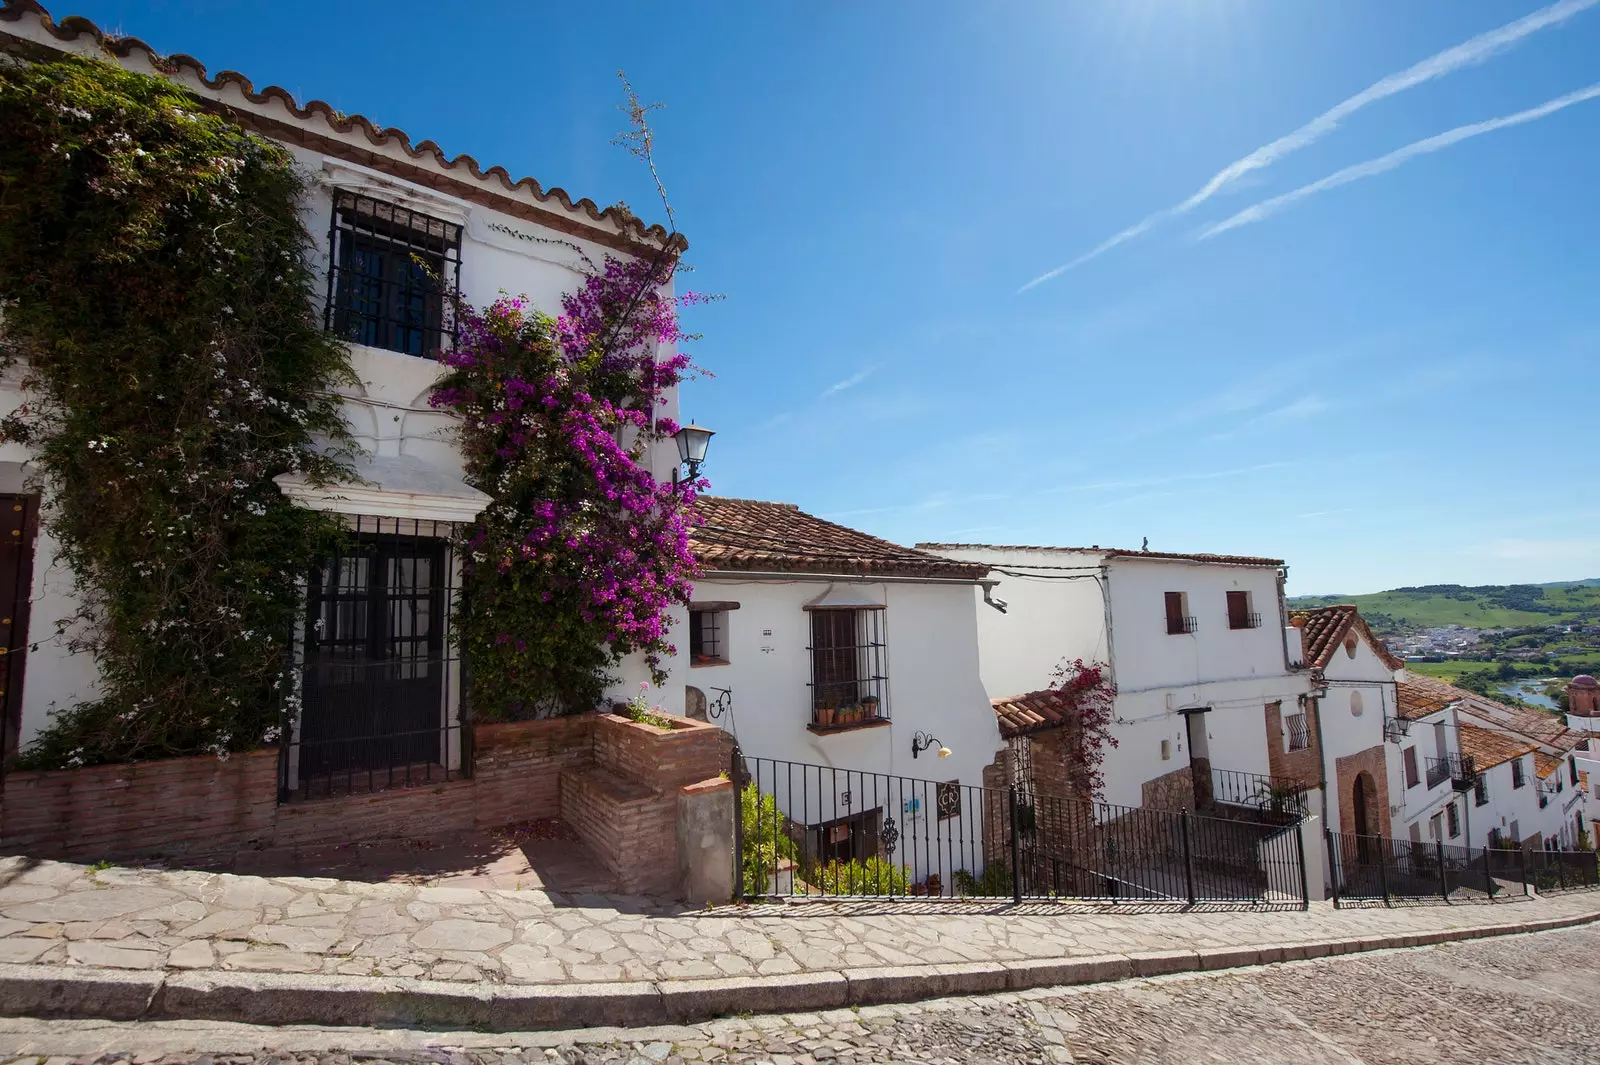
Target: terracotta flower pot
(825,715)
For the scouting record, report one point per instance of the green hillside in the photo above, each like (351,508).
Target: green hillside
(1488,606)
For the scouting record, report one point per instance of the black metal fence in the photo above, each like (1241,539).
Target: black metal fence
(376,685)
(1281,799)
(817,831)
(1368,868)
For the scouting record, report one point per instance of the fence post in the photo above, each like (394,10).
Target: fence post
(1383,866)
(1444,881)
(1488,878)
(1522,868)
(1300,852)
(1335,870)
(1188,856)
(1561,871)
(1016,850)
(736,774)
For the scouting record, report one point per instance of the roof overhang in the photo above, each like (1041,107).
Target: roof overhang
(390,486)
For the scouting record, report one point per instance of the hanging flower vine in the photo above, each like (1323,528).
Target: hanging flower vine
(157,303)
(583,550)
(1091,696)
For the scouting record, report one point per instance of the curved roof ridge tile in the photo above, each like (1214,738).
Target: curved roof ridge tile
(71,27)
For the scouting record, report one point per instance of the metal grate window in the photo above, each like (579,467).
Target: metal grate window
(394,272)
(1299,735)
(708,637)
(849,667)
(379,683)
(1453,820)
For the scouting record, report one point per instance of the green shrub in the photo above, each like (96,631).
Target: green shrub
(874,876)
(995,880)
(766,845)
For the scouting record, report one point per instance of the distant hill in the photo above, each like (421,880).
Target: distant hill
(1488,606)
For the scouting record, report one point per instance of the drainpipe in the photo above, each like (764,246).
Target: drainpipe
(1322,751)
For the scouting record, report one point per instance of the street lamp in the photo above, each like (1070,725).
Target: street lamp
(693,440)
(924,741)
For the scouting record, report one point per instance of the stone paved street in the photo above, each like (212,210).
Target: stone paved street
(1514,999)
(55,913)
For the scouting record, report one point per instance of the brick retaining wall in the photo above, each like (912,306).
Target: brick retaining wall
(615,781)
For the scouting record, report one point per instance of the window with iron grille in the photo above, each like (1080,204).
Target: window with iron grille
(393,272)
(849,667)
(1480,792)
(1299,734)
(1240,616)
(708,637)
(1453,819)
(1518,779)
(1179,622)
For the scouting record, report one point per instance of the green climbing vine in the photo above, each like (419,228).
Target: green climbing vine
(157,303)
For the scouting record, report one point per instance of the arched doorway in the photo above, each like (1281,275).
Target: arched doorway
(1365,795)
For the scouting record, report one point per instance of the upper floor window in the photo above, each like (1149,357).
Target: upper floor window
(1517,777)
(849,665)
(1178,619)
(1240,616)
(1480,791)
(708,635)
(1409,759)
(393,271)
(1299,734)
(1453,818)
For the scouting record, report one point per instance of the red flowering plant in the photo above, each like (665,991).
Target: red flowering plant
(1091,696)
(583,550)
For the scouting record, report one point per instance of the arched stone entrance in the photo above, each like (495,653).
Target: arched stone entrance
(1366,794)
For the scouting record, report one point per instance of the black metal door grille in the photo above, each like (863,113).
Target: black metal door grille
(379,686)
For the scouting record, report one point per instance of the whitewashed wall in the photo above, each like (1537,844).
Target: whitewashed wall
(1416,805)
(933,686)
(1363,683)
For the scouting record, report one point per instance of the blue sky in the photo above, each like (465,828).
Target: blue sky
(1387,378)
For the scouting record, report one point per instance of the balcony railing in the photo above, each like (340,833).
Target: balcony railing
(1244,621)
(1459,769)
(1180,626)
(1280,797)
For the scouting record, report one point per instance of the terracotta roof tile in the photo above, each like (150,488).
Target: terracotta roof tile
(1021,715)
(1113,552)
(614,222)
(1420,696)
(749,534)
(1545,764)
(1489,748)
(1323,631)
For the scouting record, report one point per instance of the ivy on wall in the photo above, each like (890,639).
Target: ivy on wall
(158,305)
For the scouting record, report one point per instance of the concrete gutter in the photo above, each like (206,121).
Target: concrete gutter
(45,991)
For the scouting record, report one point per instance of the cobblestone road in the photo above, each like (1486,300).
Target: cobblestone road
(1516,999)
(57,913)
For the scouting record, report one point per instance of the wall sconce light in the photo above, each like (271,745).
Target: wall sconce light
(692,440)
(926,741)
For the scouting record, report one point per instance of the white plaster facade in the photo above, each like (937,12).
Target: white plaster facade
(1358,698)
(514,239)
(1414,806)
(1069,603)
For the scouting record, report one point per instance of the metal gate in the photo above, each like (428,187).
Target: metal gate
(817,831)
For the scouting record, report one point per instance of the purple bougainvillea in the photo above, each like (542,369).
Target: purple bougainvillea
(583,550)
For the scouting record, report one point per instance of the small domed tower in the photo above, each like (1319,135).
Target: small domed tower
(1583,699)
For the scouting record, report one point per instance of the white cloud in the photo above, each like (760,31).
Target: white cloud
(856,378)
(1470,52)
(1372,167)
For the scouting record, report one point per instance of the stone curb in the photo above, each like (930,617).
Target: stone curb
(53,991)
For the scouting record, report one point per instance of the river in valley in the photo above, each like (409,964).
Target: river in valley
(1530,691)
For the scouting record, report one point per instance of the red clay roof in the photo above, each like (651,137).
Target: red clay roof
(1323,631)
(1420,696)
(749,534)
(330,126)
(1489,748)
(1021,715)
(1113,552)
(1545,764)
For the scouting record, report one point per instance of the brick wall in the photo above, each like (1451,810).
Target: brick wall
(178,806)
(1303,765)
(1345,770)
(616,782)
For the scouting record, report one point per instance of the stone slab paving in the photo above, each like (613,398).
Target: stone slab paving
(68,915)
(1516,999)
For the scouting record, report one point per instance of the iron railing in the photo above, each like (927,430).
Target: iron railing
(374,697)
(1438,772)
(1280,798)
(818,831)
(1374,867)
(1244,621)
(1179,626)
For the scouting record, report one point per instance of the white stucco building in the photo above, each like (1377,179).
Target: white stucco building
(844,665)
(376,201)
(1197,647)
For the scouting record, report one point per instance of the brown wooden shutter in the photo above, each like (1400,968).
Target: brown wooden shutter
(1238,610)
(1174,612)
(1411,767)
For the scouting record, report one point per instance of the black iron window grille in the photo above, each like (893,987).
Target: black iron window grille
(1244,621)
(1518,779)
(849,668)
(1299,734)
(377,684)
(393,275)
(708,637)
(1438,771)
(1180,626)
(1480,792)
(1452,818)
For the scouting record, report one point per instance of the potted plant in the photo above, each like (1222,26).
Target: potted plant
(869,707)
(824,715)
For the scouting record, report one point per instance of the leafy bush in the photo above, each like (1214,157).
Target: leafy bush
(766,846)
(995,880)
(874,876)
